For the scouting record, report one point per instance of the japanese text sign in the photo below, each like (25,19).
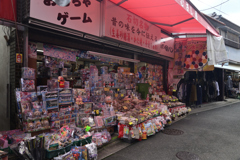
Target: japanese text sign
(81,15)
(125,26)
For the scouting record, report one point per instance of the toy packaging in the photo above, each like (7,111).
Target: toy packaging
(28,73)
(27,85)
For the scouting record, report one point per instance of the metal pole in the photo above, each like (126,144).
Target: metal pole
(25,47)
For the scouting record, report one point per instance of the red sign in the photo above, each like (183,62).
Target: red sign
(18,58)
(125,26)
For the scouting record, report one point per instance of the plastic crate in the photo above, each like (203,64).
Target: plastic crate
(55,153)
(8,150)
(82,142)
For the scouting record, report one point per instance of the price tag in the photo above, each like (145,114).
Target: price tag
(174,90)
(156,112)
(124,107)
(146,109)
(178,114)
(149,113)
(131,116)
(151,105)
(160,113)
(136,119)
(130,123)
(122,95)
(118,89)
(173,115)
(142,118)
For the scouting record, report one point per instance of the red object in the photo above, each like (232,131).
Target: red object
(187,66)
(6,9)
(61,84)
(173,16)
(196,65)
(200,60)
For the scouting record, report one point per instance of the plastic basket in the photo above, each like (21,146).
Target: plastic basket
(8,150)
(82,142)
(55,153)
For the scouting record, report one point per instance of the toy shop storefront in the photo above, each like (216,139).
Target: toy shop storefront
(77,89)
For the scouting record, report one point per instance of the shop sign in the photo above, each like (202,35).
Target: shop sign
(18,58)
(81,15)
(122,25)
(167,47)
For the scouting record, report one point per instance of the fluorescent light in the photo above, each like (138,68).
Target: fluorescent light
(39,50)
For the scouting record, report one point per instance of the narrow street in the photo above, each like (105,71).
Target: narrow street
(211,135)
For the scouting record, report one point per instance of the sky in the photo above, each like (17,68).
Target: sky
(229,10)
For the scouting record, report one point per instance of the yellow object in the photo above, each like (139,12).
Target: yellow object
(122,95)
(97,111)
(151,105)
(124,107)
(106,89)
(130,123)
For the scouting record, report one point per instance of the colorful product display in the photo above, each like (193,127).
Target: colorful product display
(73,117)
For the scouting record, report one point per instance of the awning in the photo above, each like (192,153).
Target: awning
(173,16)
(232,67)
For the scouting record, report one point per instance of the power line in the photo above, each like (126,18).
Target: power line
(215,6)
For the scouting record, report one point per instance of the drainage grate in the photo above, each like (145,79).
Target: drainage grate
(172,132)
(183,155)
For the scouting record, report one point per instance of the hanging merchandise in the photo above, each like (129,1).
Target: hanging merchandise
(196,55)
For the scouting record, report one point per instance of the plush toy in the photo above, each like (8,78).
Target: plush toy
(108,100)
(61,82)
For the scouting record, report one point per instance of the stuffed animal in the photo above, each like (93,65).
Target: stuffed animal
(61,82)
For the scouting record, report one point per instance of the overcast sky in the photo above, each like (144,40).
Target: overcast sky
(229,10)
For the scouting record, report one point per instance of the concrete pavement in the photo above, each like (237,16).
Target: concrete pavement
(211,135)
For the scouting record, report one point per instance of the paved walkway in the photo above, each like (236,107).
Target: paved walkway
(119,145)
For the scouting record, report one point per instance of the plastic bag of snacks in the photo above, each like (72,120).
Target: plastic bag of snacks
(97,139)
(66,156)
(92,150)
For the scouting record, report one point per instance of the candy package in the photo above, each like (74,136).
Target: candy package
(92,150)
